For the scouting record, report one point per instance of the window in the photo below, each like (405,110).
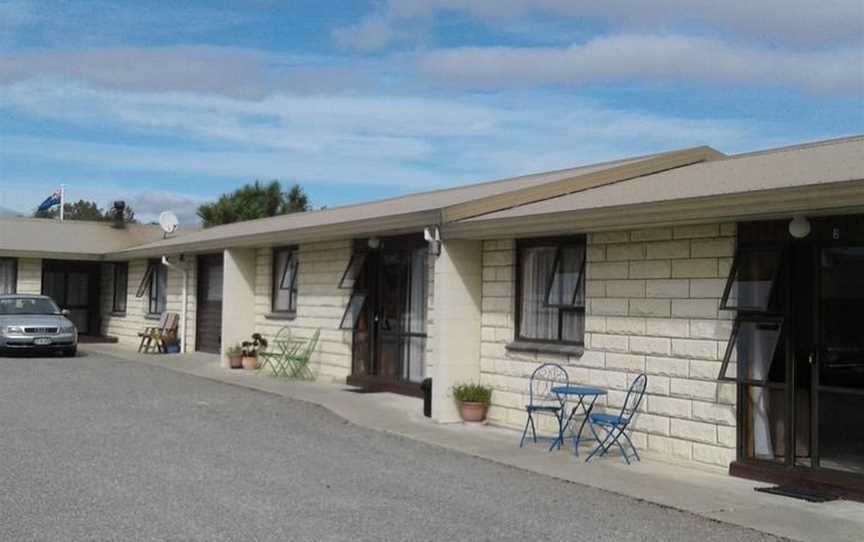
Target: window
(551,284)
(154,283)
(352,279)
(284,280)
(751,279)
(750,352)
(8,275)
(121,281)
(352,272)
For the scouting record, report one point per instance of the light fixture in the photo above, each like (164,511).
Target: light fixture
(799,227)
(373,243)
(433,237)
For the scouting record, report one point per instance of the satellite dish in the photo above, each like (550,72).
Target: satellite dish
(168,222)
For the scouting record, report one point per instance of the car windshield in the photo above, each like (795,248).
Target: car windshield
(27,305)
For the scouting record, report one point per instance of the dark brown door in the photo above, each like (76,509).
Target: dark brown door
(74,286)
(837,412)
(209,306)
(390,333)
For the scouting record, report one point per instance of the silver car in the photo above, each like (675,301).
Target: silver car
(34,323)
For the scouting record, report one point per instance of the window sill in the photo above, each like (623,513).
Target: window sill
(149,316)
(121,314)
(546,348)
(280,316)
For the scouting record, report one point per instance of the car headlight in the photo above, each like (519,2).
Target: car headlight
(14,329)
(67,329)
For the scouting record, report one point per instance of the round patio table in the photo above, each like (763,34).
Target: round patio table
(585,397)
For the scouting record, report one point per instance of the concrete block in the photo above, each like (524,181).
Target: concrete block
(714,455)
(609,343)
(697,231)
(594,359)
(625,252)
(694,389)
(704,370)
(620,325)
(707,287)
(660,308)
(606,270)
(714,413)
(653,234)
(653,269)
(667,327)
(625,362)
(608,237)
(695,308)
(701,268)
(695,431)
(596,288)
(667,288)
(694,348)
(659,346)
(595,253)
(667,250)
(719,330)
(667,366)
(625,288)
(607,307)
(713,248)
(672,447)
(670,406)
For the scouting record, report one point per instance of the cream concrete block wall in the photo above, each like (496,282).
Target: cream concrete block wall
(127,326)
(320,304)
(29,279)
(652,305)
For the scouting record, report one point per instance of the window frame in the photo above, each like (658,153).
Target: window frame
(150,285)
(14,263)
(355,266)
(733,273)
(558,243)
(732,343)
(276,286)
(115,307)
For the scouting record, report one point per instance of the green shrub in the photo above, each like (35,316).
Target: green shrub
(472,393)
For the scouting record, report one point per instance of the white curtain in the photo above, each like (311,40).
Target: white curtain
(7,276)
(536,319)
(414,318)
(282,280)
(756,345)
(566,284)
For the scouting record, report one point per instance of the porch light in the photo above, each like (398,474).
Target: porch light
(799,227)
(373,243)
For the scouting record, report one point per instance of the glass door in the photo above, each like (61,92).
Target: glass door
(838,364)
(387,311)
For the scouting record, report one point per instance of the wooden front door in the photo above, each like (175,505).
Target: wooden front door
(209,317)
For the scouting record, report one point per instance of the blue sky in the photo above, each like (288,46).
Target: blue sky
(169,104)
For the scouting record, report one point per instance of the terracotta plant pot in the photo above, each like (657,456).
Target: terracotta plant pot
(473,412)
(235,362)
(250,363)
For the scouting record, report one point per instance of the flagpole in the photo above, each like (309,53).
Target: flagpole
(62,200)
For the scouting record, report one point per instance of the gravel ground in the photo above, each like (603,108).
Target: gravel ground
(94,448)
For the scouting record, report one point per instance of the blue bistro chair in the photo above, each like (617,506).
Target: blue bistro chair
(542,400)
(616,425)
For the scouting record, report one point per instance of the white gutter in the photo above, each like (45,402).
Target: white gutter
(185,310)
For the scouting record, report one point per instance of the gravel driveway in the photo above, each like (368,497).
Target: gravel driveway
(94,448)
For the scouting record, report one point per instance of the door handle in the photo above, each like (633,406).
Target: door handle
(810,358)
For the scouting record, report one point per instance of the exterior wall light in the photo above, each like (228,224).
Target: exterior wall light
(433,237)
(373,243)
(799,227)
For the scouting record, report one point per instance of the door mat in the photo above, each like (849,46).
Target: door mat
(801,493)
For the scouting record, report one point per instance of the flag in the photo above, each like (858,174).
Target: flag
(50,201)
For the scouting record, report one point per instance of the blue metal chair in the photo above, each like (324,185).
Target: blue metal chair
(615,425)
(541,398)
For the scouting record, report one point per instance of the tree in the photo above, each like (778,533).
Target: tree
(256,200)
(85,210)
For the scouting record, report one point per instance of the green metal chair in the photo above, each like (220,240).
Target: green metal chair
(298,362)
(282,348)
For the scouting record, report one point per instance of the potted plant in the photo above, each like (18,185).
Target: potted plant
(473,401)
(235,356)
(250,351)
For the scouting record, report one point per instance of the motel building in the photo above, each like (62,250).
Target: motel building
(735,282)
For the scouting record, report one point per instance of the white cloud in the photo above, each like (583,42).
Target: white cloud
(797,22)
(634,57)
(400,143)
